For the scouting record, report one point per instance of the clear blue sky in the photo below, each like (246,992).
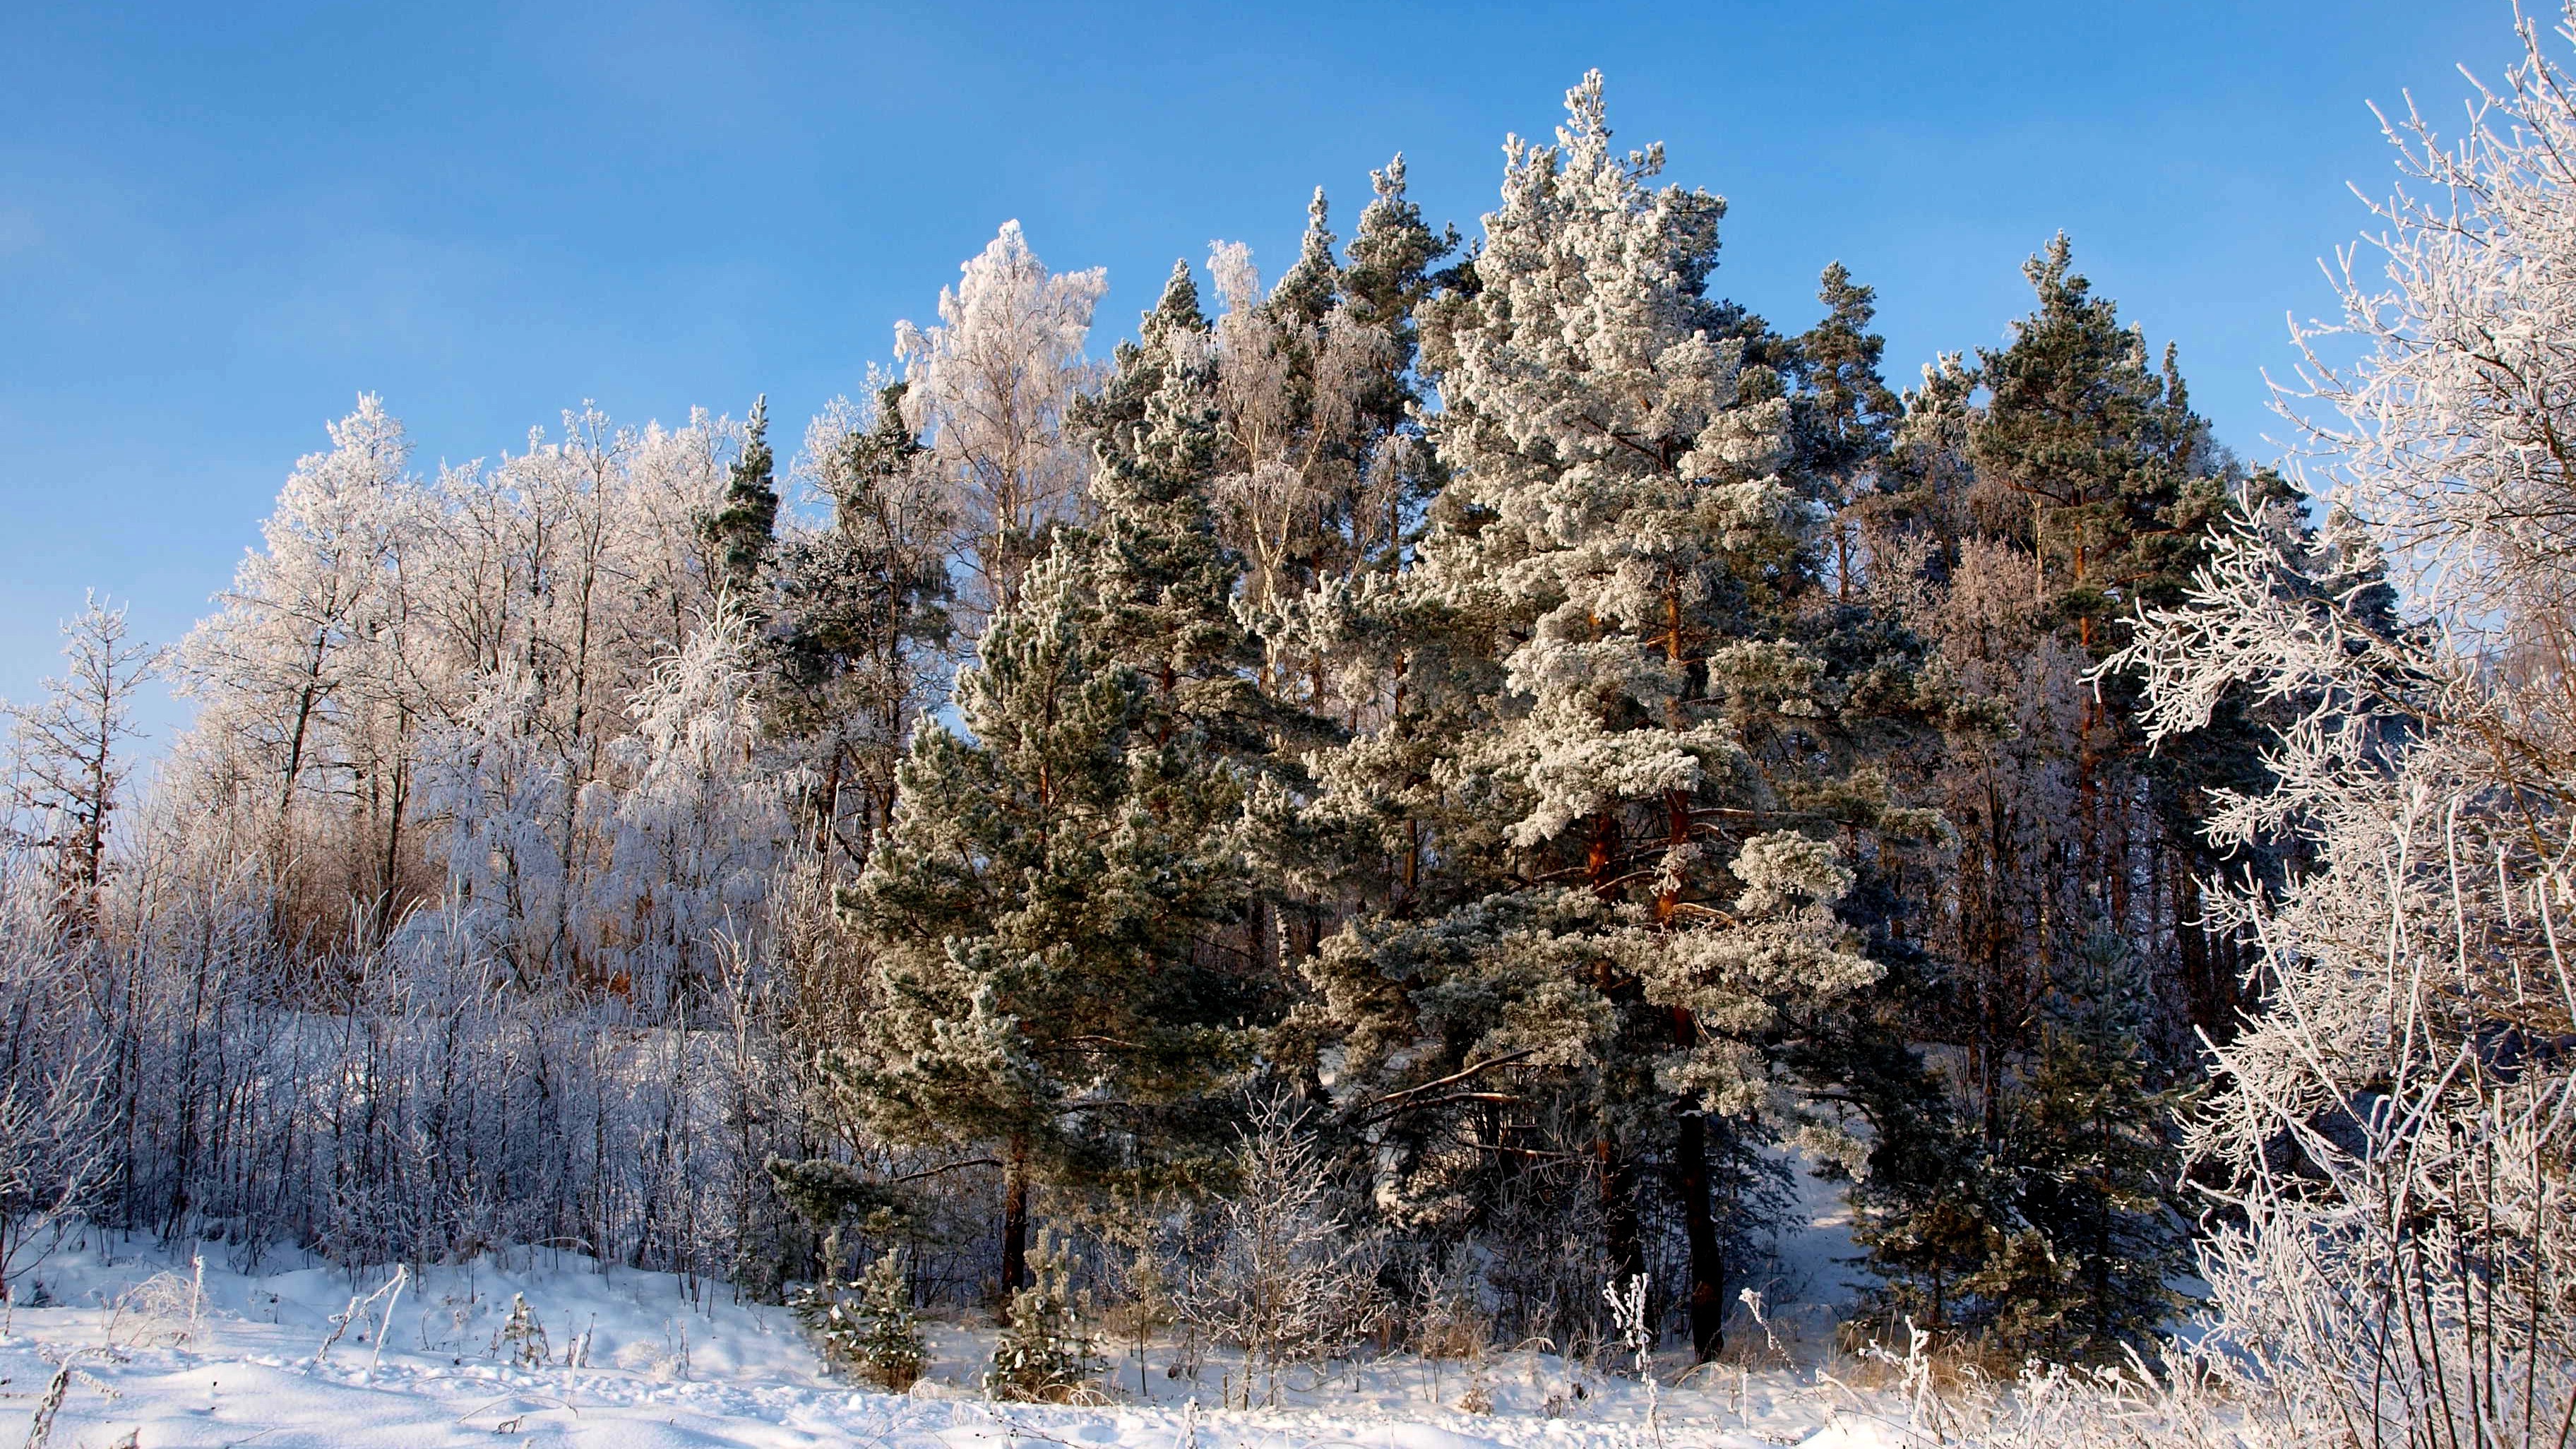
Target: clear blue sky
(218,223)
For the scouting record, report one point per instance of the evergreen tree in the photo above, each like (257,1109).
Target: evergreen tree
(747,524)
(885,1335)
(2020,1166)
(1043,1354)
(1389,276)
(1032,914)
(1309,289)
(1842,415)
(1647,744)
(2103,448)
(859,641)
(1160,575)
(2096,1166)
(1389,272)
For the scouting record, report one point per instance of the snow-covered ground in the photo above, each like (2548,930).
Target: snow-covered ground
(649,1361)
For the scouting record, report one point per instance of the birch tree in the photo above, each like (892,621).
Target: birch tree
(2394,1127)
(69,771)
(987,389)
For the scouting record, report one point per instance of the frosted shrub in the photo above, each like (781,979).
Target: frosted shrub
(2124,1406)
(1286,1283)
(521,1338)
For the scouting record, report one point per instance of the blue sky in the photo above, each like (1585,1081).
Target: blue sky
(220,223)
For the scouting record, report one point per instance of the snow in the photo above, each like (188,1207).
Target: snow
(660,1362)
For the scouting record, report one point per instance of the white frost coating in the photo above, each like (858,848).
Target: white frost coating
(1591,412)
(989,388)
(2396,1124)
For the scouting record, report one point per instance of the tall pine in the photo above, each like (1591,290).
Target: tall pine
(1645,775)
(1047,915)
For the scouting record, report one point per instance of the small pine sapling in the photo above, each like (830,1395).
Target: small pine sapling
(884,1336)
(1043,1355)
(829,1314)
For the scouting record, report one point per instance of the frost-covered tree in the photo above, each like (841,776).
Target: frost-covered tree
(988,389)
(1032,917)
(499,794)
(697,830)
(1160,578)
(858,644)
(67,770)
(1644,739)
(2392,1128)
(1044,1354)
(1291,388)
(1285,1279)
(384,624)
(299,674)
(747,523)
(1323,472)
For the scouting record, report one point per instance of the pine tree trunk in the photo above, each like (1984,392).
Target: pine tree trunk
(1699,1228)
(1619,1213)
(1015,1222)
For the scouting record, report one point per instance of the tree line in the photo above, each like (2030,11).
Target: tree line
(1546,750)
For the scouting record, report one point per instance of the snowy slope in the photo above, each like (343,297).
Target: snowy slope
(654,1364)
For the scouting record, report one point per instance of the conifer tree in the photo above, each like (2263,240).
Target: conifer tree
(1310,287)
(2021,1167)
(1159,575)
(1321,468)
(2104,449)
(1389,271)
(748,522)
(1389,275)
(1645,742)
(1031,915)
(2096,1166)
(858,644)
(1843,415)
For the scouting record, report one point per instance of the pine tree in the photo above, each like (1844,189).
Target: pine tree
(2020,1166)
(858,643)
(2097,1171)
(1388,277)
(1032,918)
(1646,744)
(1309,288)
(2103,447)
(1389,271)
(1843,416)
(868,1323)
(1159,577)
(747,523)
(1043,1354)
